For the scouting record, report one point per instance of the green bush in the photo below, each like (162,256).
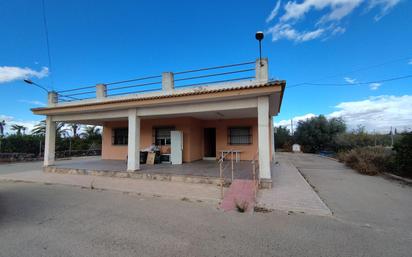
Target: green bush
(368,160)
(403,156)
(21,144)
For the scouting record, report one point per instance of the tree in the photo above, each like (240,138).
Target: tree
(19,129)
(319,133)
(74,128)
(282,137)
(40,129)
(92,132)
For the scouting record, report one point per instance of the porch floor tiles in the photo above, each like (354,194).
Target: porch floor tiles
(202,168)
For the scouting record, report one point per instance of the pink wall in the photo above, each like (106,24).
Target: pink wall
(192,136)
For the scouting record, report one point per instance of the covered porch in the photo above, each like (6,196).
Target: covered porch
(201,171)
(192,120)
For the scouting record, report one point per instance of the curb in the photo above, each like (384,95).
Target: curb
(393,176)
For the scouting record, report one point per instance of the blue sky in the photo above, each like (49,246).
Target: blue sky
(320,41)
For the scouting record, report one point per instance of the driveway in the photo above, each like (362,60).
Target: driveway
(371,201)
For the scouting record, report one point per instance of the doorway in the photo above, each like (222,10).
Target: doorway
(209,142)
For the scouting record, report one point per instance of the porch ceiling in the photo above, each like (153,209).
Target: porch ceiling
(211,115)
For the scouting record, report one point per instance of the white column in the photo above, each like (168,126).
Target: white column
(263,137)
(272,137)
(168,83)
(133,146)
(101,91)
(50,142)
(261,70)
(52,98)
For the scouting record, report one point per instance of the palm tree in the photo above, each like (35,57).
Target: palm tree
(91,132)
(74,128)
(18,128)
(40,129)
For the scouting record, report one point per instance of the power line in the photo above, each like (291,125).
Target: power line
(46,31)
(353,71)
(351,84)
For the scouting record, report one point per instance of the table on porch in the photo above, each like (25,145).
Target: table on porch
(236,152)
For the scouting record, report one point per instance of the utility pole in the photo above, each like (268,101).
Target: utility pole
(391,137)
(291,126)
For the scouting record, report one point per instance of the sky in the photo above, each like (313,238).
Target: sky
(340,58)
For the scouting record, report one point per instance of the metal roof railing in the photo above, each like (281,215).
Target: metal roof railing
(180,79)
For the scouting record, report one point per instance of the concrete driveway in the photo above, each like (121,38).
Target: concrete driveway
(372,201)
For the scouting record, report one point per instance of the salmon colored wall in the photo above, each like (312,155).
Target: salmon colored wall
(187,125)
(192,136)
(247,151)
(109,151)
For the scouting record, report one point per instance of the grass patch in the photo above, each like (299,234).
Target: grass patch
(241,206)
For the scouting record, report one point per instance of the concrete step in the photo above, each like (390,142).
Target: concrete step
(241,192)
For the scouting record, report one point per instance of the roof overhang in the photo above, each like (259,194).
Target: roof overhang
(274,89)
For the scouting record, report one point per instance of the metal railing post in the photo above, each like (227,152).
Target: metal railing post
(221,179)
(231,160)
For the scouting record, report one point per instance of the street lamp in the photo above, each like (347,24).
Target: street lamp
(30,82)
(259,36)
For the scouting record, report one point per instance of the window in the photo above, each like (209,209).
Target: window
(240,136)
(119,136)
(162,135)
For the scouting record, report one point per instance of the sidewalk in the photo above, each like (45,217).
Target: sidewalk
(175,190)
(290,191)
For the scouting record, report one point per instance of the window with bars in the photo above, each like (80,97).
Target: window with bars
(162,135)
(119,136)
(239,136)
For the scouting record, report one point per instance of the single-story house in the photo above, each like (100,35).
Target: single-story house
(187,123)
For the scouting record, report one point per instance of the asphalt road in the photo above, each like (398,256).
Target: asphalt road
(53,220)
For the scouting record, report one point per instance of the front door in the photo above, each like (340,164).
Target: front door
(209,142)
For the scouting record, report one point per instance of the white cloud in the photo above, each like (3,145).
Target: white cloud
(329,14)
(9,73)
(32,102)
(274,12)
(374,86)
(287,31)
(376,113)
(10,120)
(384,5)
(350,80)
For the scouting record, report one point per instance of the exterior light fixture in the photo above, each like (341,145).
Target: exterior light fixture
(259,36)
(30,82)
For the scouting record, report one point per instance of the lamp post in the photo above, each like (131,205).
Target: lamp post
(259,36)
(30,82)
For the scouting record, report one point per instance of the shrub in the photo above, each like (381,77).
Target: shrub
(403,156)
(368,160)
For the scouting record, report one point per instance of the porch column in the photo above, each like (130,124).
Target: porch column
(263,137)
(133,146)
(50,142)
(272,137)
